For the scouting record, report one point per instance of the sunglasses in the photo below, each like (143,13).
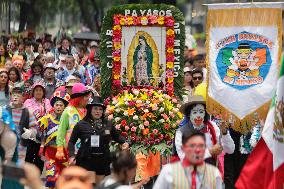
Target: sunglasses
(197,78)
(72,177)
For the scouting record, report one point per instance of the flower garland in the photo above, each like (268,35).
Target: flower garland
(147,117)
(163,21)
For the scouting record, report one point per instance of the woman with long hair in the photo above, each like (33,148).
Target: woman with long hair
(95,133)
(4,88)
(15,79)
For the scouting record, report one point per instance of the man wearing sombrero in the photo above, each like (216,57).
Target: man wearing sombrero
(75,111)
(195,111)
(49,127)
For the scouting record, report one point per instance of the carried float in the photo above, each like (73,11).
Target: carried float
(142,75)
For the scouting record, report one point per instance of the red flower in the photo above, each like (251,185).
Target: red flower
(170,58)
(124,122)
(167,126)
(161,136)
(116,82)
(131,103)
(124,134)
(169,21)
(152,135)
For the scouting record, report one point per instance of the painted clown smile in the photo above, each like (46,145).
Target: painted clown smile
(198,121)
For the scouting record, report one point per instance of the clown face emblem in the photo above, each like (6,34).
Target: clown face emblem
(197,115)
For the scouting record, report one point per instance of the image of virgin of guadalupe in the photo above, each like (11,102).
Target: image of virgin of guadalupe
(143,60)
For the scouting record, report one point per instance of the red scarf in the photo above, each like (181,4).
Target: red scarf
(209,128)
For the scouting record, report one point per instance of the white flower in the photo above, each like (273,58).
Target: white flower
(161,120)
(125,113)
(146,110)
(136,92)
(144,22)
(126,103)
(147,102)
(141,126)
(139,101)
(175,110)
(117,110)
(135,117)
(162,109)
(117,119)
(161,99)
(114,101)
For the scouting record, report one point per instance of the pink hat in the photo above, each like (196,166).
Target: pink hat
(78,90)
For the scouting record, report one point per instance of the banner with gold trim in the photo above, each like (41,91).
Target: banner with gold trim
(243,56)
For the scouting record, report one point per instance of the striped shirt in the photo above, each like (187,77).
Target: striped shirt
(16,116)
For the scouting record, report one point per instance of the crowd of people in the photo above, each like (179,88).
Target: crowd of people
(51,91)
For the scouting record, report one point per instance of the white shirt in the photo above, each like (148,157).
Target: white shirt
(165,179)
(109,181)
(226,142)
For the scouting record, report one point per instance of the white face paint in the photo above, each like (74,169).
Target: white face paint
(197,115)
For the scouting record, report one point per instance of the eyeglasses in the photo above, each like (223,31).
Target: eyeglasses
(197,78)
(196,146)
(72,177)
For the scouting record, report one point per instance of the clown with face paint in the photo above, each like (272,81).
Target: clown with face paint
(49,126)
(216,140)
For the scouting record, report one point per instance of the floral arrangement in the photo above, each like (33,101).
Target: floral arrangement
(163,21)
(148,117)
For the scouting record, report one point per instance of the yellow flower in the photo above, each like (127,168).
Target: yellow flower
(116,76)
(144,96)
(116,58)
(117,45)
(170,80)
(170,50)
(161,20)
(179,115)
(116,27)
(130,20)
(122,21)
(144,20)
(170,65)
(129,96)
(170,32)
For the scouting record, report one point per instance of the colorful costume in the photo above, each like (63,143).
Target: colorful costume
(70,117)
(49,126)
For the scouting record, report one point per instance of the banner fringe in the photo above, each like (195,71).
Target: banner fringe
(241,125)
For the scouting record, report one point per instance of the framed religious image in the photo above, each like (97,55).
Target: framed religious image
(142,45)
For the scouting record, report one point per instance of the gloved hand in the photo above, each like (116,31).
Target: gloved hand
(60,153)
(27,133)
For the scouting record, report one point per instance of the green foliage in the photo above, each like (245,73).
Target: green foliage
(105,52)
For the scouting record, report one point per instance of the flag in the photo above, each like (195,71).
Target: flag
(243,48)
(264,168)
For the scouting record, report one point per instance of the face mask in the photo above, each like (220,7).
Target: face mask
(197,115)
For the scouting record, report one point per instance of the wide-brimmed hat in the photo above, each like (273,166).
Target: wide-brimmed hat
(60,95)
(187,69)
(78,90)
(50,66)
(96,101)
(195,99)
(38,84)
(71,81)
